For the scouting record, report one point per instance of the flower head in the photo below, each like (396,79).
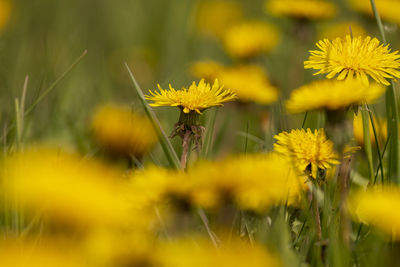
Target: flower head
(332,95)
(195,98)
(122,131)
(308,150)
(302,9)
(248,39)
(377,206)
(252,181)
(249,82)
(199,252)
(355,58)
(67,187)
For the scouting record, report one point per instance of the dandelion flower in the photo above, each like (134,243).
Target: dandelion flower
(199,253)
(214,17)
(309,151)
(341,29)
(355,58)
(302,9)
(332,95)
(45,253)
(122,131)
(252,181)
(377,206)
(5,12)
(388,9)
(195,98)
(248,39)
(66,187)
(249,82)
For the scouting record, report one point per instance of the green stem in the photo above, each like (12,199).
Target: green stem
(378,150)
(391,113)
(367,143)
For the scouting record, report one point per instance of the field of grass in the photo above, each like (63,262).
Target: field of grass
(199,133)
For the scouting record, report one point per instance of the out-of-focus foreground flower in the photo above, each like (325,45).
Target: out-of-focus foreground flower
(67,188)
(377,206)
(199,253)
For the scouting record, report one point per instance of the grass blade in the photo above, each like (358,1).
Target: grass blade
(391,113)
(367,143)
(165,143)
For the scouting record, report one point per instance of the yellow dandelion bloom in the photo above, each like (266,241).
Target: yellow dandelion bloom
(249,82)
(195,98)
(214,17)
(302,9)
(381,129)
(332,95)
(378,206)
(45,253)
(341,29)
(309,151)
(248,39)
(252,181)
(66,187)
(122,131)
(5,12)
(200,253)
(355,58)
(388,9)
(104,247)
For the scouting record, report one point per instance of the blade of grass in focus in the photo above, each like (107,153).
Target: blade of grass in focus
(165,143)
(367,143)
(391,113)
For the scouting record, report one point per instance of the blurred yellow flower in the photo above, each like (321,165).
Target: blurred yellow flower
(195,98)
(122,131)
(381,129)
(332,95)
(66,187)
(214,17)
(5,12)
(377,206)
(103,247)
(45,253)
(355,57)
(388,9)
(309,151)
(341,29)
(249,39)
(249,82)
(207,69)
(302,9)
(252,181)
(200,253)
